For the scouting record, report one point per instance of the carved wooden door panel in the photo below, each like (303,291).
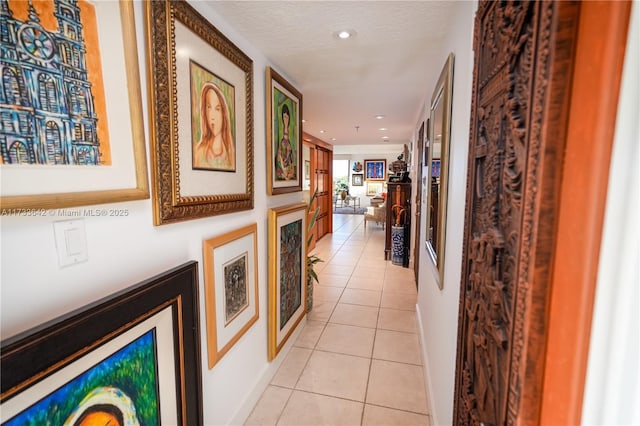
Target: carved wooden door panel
(522,74)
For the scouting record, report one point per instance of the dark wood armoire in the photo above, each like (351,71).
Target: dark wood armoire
(524,54)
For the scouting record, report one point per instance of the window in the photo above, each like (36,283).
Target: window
(47,93)
(18,153)
(54,144)
(11,87)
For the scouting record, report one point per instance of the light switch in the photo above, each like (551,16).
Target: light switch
(71,242)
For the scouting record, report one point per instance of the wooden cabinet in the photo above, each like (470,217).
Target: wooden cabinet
(398,216)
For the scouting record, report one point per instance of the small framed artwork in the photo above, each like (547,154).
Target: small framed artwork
(375,169)
(374,188)
(287,273)
(357,167)
(231,288)
(131,358)
(201,115)
(356,180)
(307,169)
(82,146)
(435,168)
(284,135)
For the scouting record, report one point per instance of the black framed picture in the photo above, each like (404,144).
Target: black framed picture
(130,358)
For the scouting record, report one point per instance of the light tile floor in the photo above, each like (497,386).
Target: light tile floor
(357,361)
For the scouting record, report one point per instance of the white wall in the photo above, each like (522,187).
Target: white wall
(125,250)
(438,309)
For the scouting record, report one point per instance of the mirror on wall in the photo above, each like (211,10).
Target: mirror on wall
(438,167)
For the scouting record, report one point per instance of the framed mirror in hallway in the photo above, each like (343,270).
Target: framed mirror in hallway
(438,162)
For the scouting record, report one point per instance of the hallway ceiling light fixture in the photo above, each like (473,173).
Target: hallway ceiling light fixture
(344,34)
(383,129)
(321,131)
(379,116)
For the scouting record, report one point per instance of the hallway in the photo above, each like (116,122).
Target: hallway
(357,360)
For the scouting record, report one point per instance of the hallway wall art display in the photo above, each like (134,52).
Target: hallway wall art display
(284,135)
(287,273)
(65,140)
(231,288)
(133,357)
(202,154)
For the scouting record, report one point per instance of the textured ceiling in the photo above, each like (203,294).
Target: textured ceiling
(387,68)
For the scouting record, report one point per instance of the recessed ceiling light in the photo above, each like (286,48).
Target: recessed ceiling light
(344,34)
(304,121)
(379,116)
(383,129)
(386,138)
(321,131)
(333,139)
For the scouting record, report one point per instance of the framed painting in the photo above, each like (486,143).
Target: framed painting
(375,169)
(82,147)
(307,169)
(287,273)
(284,135)
(130,358)
(356,180)
(201,116)
(374,188)
(231,288)
(435,168)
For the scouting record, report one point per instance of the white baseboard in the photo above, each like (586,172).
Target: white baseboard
(427,375)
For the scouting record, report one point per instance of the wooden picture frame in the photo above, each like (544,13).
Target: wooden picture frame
(98,159)
(195,174)
(375,170)
(231,288)
(134,353)
(374,188)
(287,292)
(357,179)
(284,135)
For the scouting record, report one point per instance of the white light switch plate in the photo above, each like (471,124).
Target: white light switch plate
(71,242)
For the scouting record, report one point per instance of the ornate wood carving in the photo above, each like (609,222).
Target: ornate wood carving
(515,155)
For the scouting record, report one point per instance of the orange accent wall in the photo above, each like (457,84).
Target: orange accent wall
(601,44)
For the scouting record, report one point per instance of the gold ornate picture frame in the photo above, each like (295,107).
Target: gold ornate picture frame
(231,288)
(201,116)
(284,135)
(89,149)
(287,273)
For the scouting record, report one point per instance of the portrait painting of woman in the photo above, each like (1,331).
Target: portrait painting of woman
(213,141)
(284,129)
(285,161)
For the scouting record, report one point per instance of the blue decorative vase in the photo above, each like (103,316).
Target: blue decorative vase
(397,245)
